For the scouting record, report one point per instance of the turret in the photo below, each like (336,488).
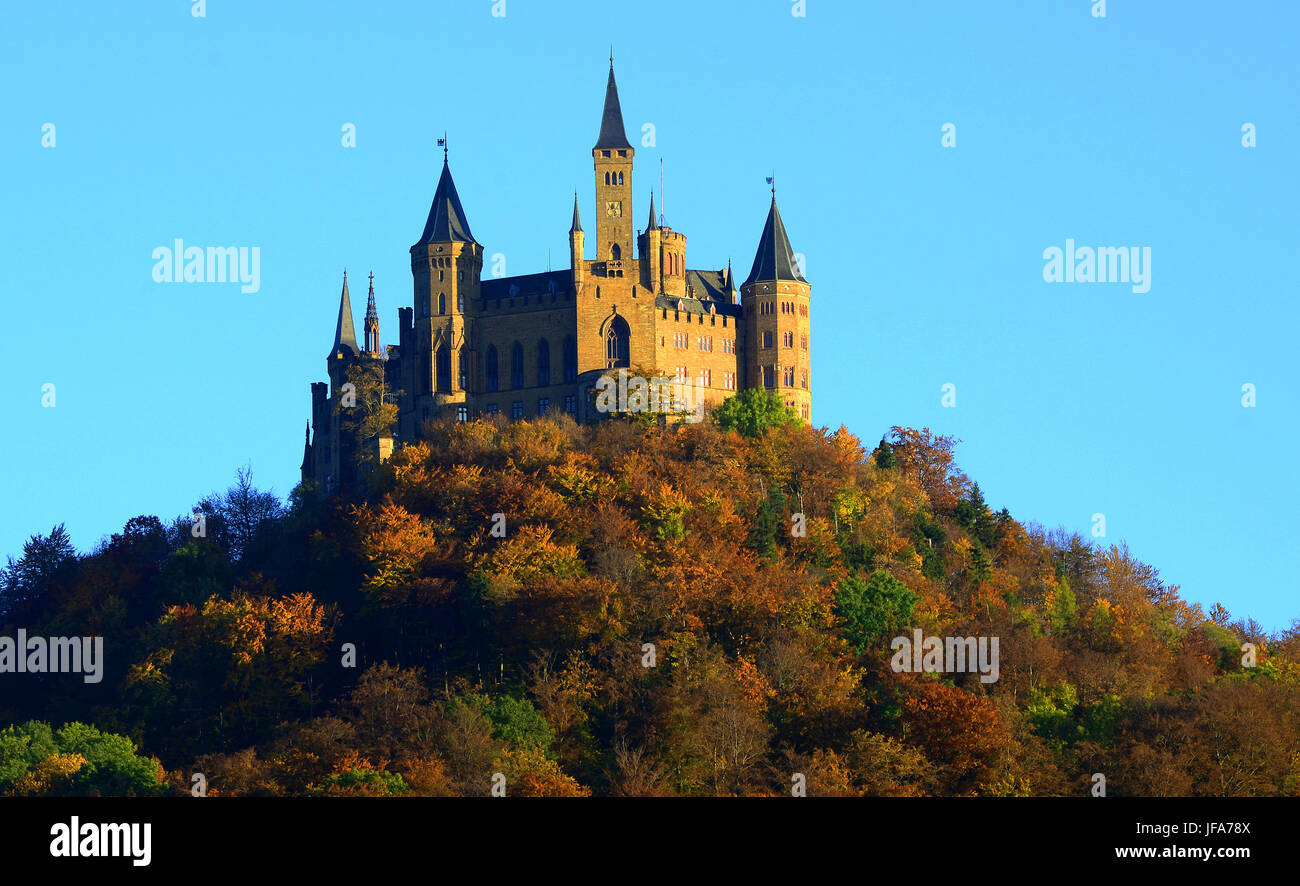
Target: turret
(776,300)
(446,267)
(576,243)
(652,252)
(372,321)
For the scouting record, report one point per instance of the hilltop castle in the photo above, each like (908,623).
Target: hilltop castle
(535,344)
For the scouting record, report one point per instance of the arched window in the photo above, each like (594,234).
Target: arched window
(607,178)
(492,379)
(614,252)
(616,343)
(462,369)
(444,368)
(570,359)
(517,366)
(543,362)
(442,304)
(620,178)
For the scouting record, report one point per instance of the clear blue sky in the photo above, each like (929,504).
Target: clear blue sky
(926,262)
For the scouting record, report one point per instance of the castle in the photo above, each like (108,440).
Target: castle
(536,344)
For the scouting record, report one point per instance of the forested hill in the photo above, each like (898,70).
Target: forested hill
(630,609)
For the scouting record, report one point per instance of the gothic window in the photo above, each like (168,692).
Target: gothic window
(517,366)
(543,362)
(442,303)
(616,343)
(570,359)
(769,377)
(460,302)
(620,178)
(444,368)
(462,413)
(492,379)
(614,252)
(767,338)
(440,273)
(462,369)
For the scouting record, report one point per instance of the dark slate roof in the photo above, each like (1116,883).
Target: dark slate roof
(345,336)
(774,259)
(527,284)
(612,133)
(709,290)
(654,222)
(447,221)
(577,223)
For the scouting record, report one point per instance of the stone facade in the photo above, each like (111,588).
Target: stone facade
(537,344)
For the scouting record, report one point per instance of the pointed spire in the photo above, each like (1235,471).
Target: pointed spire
(654,220)
(729,281)
(774,259)
(306,451)
(345,335)
(576,227)
(447,221)
(371,313)
(612,133)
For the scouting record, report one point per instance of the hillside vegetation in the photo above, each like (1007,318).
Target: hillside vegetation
(629,609)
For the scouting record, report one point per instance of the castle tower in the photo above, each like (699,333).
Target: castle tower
(446,267)
(613,160)
(776,302)
(576,241)
(338,453)
(372,322)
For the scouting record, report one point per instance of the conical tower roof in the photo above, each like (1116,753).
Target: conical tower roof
(774,259)
(345,335)
(447,221)
(576,227)
(612,133)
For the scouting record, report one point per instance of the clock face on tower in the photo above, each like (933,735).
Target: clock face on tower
(614,209)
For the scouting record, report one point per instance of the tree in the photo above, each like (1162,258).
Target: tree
(236,517)
(28,579)
(375,410)
(75,760)
(753,411)
(874,608)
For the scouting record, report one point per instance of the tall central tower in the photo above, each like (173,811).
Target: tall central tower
(613,157)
